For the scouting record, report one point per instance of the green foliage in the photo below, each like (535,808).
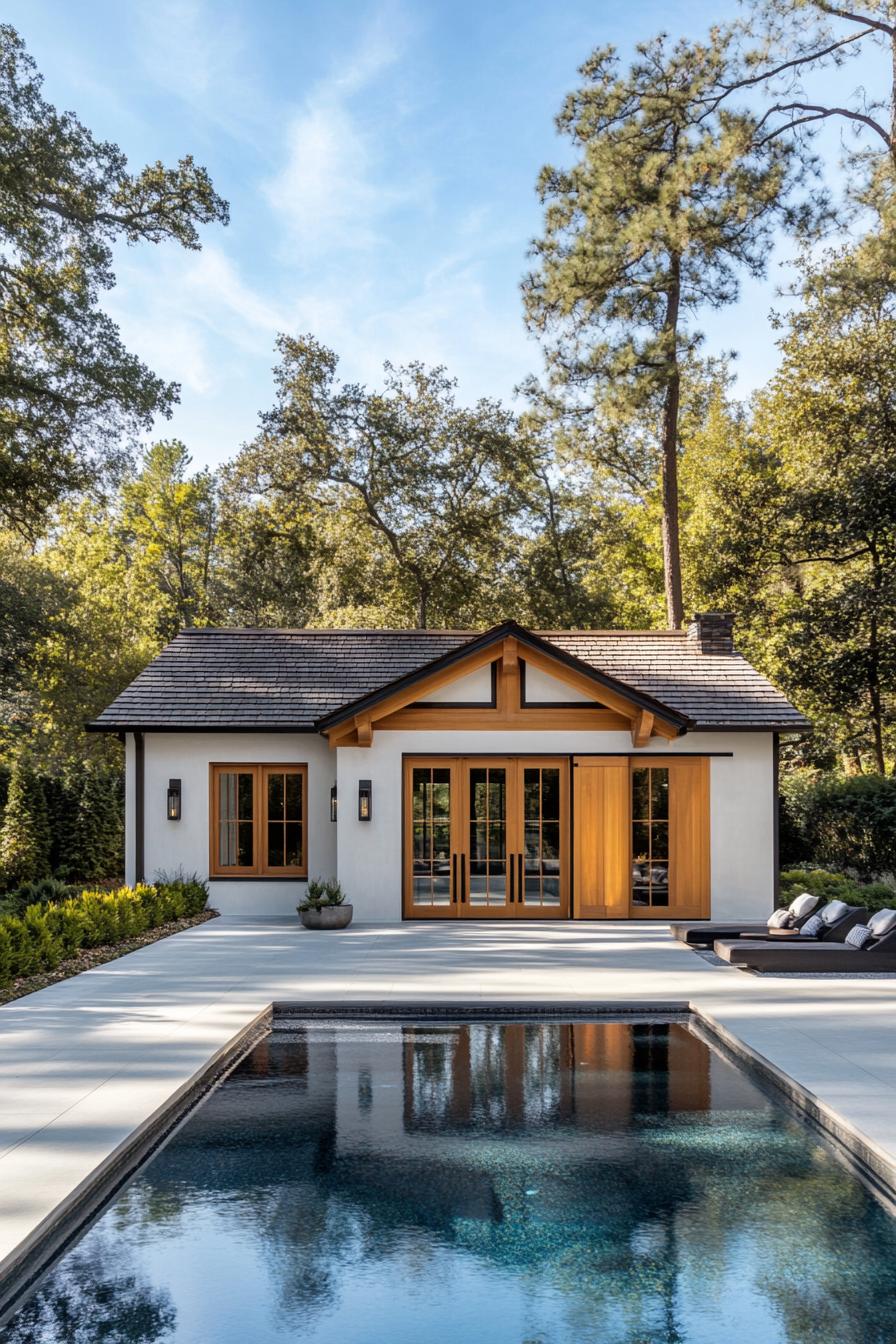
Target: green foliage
(322,892)
(43,934)
(835,887)
(46,891)
(673,192)
(846,822)
(72,395)
(25,833)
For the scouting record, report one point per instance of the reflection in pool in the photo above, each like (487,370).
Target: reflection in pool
(543,1183)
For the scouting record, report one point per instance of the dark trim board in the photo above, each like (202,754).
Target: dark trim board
(776,816)
(139,805)
(200,728)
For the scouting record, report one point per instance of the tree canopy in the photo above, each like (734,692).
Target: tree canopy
(72,398)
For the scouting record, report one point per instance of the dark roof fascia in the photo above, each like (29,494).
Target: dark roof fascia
(488,637)
(804,727)
(97,727)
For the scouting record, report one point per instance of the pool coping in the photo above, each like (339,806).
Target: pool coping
(70,1218)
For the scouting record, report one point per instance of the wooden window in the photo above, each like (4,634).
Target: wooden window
(259,821)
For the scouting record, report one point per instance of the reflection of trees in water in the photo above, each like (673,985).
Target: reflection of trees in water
(581,1164)
(92,1296)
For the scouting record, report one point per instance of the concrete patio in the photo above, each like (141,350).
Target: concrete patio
(85,1062)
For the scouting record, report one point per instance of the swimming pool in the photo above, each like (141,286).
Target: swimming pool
(542,1182)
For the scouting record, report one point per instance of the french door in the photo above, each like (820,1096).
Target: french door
(486,837)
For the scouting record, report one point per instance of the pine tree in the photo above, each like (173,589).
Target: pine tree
(672,194)
(25,833)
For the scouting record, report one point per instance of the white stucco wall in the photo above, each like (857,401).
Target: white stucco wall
(741,812)
(169,845)
(367,855)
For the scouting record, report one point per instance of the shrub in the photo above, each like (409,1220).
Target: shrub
(321,892)
(44,933)
(5,955)
(846,822)
(46,947)
(25,833)
(49,890)
(835,887)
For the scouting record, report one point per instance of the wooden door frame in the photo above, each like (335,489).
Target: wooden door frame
(460,764)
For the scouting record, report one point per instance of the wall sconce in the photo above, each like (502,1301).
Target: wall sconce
(365,799)
(174,800)
(333,803)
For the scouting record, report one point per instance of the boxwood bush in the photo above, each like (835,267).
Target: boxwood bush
(46,932)
(835,887)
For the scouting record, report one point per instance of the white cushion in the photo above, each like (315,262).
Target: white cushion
(883,922)
(803,905)
(833,911)
(780,919)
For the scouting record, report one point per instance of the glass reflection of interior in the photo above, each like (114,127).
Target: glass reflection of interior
(488,835)
(431,825)
(235,819)
(650,836)
(541,804)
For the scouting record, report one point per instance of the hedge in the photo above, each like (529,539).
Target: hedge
(835,887)
(46,933)
(70,824)
(845,822)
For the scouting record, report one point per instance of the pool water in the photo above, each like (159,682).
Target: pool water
(516,1183)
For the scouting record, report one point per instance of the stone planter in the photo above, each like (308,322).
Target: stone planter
(327,917)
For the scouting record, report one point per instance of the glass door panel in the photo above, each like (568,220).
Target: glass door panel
(650,838)
(541,836)
(487,793)
(431,850)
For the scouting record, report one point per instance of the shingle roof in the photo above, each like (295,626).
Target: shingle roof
(290,679)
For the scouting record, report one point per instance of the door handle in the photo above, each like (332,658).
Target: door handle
(519,859)
(454,878)
(512,865)
(463,879)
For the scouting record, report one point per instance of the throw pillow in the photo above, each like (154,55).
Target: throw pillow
(803,905)
(813,927)
(859,936)
(780,919)
(883,922)
(833,911)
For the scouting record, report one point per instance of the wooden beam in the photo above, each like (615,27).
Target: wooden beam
(642,728)
(364,728)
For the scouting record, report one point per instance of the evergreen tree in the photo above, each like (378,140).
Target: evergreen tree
(25,833)
(672,194)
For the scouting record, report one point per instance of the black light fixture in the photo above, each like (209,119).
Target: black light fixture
(174,800)
(365,799)
(333,803)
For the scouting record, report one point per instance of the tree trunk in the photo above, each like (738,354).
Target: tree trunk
(874,692)
(422,608)
(669,468)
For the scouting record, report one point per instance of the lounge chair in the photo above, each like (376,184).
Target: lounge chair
(866,946)
(705,934)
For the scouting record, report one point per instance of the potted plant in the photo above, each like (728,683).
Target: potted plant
(325,906)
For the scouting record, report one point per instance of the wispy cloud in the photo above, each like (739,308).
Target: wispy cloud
(334,189)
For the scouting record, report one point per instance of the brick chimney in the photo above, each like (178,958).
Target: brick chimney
(713,631)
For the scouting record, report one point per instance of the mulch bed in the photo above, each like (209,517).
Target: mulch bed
(89,957)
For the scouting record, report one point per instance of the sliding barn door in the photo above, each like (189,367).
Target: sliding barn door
(601,844)
(641,837)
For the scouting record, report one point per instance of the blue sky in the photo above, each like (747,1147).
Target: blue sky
(380,162)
